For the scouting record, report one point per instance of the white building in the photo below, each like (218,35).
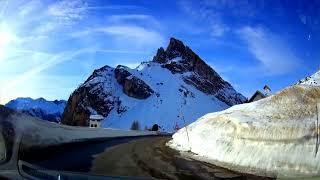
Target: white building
(260,95)
(95,121)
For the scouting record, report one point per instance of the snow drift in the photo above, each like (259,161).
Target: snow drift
(276,136)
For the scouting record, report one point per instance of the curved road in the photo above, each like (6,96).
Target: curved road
(142,156)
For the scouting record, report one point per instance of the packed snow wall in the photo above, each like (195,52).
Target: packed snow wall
(276,136)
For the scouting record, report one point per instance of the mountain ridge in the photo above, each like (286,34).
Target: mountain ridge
(192,62)
(175,80)
(314,79)
(40,107)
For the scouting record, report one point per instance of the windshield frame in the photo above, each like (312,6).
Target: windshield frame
(3,149)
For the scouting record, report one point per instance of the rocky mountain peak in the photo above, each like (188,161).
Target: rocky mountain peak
(179,58)
(153,92)
(161,56)
(175,49)
(99,72)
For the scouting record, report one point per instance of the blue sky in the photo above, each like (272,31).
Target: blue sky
(48,48)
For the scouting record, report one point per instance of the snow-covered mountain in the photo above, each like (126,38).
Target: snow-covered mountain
(275,136)
(172,90)
(312,80)
(41,108)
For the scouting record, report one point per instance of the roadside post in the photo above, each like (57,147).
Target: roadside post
(317,128)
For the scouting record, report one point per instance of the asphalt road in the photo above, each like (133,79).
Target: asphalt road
(142,157)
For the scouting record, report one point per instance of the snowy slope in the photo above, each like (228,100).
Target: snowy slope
(272,136)
(312,80)
(167,106)
(173,101)
(41,108)
(173,90)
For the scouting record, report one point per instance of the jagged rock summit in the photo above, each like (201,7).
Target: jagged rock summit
(172,90)
(179,58)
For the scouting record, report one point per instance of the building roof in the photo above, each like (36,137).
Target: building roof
(96,117)
(257,93)
(267,87)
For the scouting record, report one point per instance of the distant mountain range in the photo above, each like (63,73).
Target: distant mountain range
(41,108)
(172,90)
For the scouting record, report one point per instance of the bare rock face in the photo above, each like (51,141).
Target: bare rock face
(91,98)
(135,87)
(96,95)
(121,73)
(132,86)
(161,56)
(179,58)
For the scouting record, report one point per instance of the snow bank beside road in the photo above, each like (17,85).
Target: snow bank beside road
(38,133)
(273,136)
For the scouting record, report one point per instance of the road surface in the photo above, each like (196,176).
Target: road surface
(143,157)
